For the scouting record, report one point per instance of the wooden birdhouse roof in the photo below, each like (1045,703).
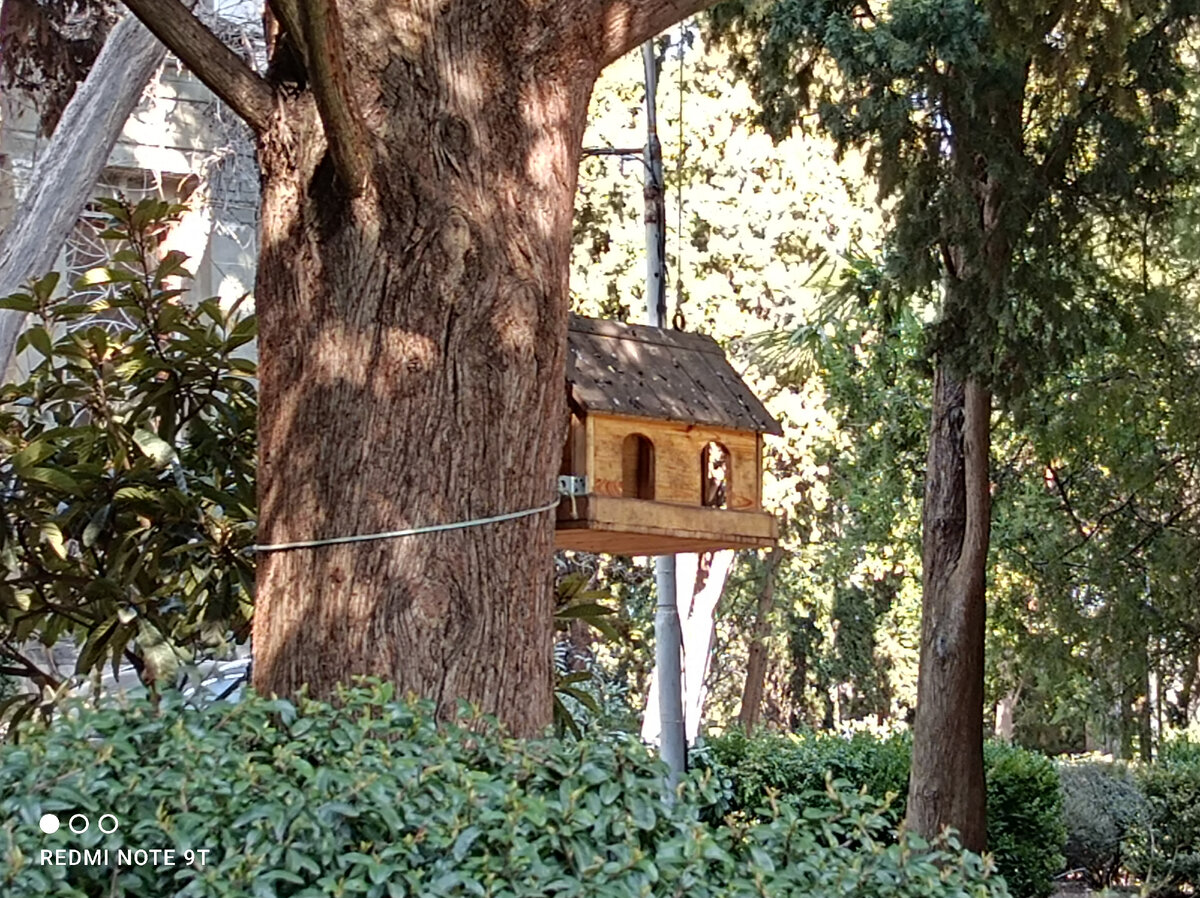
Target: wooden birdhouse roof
(630,369)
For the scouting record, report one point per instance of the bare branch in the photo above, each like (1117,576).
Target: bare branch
(325,60)
(625,24)
(222,70)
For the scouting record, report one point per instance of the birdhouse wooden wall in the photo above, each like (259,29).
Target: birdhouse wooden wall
(677,456)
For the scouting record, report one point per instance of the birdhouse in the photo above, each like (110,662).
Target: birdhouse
(664,448)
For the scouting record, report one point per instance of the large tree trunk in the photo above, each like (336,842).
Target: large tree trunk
(947,786)
(418,165)
(67,171)
(412,360)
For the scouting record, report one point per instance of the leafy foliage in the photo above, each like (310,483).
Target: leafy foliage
(372,798)
(1025,829)
(1025,820)
(1100,803)
(128,482)
(1164,847)
(578,606)
(1096,522)
(1015,142)
(798,765)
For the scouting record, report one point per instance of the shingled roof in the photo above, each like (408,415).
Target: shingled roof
(629,369)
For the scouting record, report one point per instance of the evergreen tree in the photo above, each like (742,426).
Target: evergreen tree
(1013,140)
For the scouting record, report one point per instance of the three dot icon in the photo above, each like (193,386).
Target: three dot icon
(78,824)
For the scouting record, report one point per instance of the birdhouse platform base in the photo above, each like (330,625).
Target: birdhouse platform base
(620,526)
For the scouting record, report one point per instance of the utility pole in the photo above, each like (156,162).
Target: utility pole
(668,636)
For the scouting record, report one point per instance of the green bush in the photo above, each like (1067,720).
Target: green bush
(1025,824)
(1025,830)
(373,798)
(127,467)
(794,765)
(1101,802)
(1164,848)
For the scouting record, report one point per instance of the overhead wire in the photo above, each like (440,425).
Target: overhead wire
(678,321)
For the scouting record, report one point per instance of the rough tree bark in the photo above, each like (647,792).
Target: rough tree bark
(756,662)
(947,784)
(412,296)
(67,172)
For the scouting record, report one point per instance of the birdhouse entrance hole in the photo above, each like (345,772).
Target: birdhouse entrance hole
(716,476)
(637,467)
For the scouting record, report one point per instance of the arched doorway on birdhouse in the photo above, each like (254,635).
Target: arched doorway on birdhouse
(716,475)
(637,467)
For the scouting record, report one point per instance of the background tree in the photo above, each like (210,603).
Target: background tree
(85,124)
(1002,130)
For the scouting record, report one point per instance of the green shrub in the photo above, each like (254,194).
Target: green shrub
(1025,830)
(1164,849)
(127,467)
(1025,823)
(794,765)
(1101,802)
(374,799)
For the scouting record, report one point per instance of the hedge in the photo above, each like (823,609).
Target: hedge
(1101,802)
(374,798)
(1025,828)
(1163,846)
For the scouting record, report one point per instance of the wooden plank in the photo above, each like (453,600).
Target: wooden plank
(579,447)
(605,543)
(568,454)
(758,470)
(642,527)
(589,448)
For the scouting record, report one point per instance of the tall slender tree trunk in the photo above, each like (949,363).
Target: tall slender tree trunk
(67,171)
(1188,685)
(1006,709)
(1145,709)
(756,662)
(947,787)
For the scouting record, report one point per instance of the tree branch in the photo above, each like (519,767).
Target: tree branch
(222,70)
(625,24)
(325,60)
(288,14)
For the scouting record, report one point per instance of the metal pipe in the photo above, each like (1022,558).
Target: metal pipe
(668,636)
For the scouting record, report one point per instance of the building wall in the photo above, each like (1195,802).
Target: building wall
(180,143)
